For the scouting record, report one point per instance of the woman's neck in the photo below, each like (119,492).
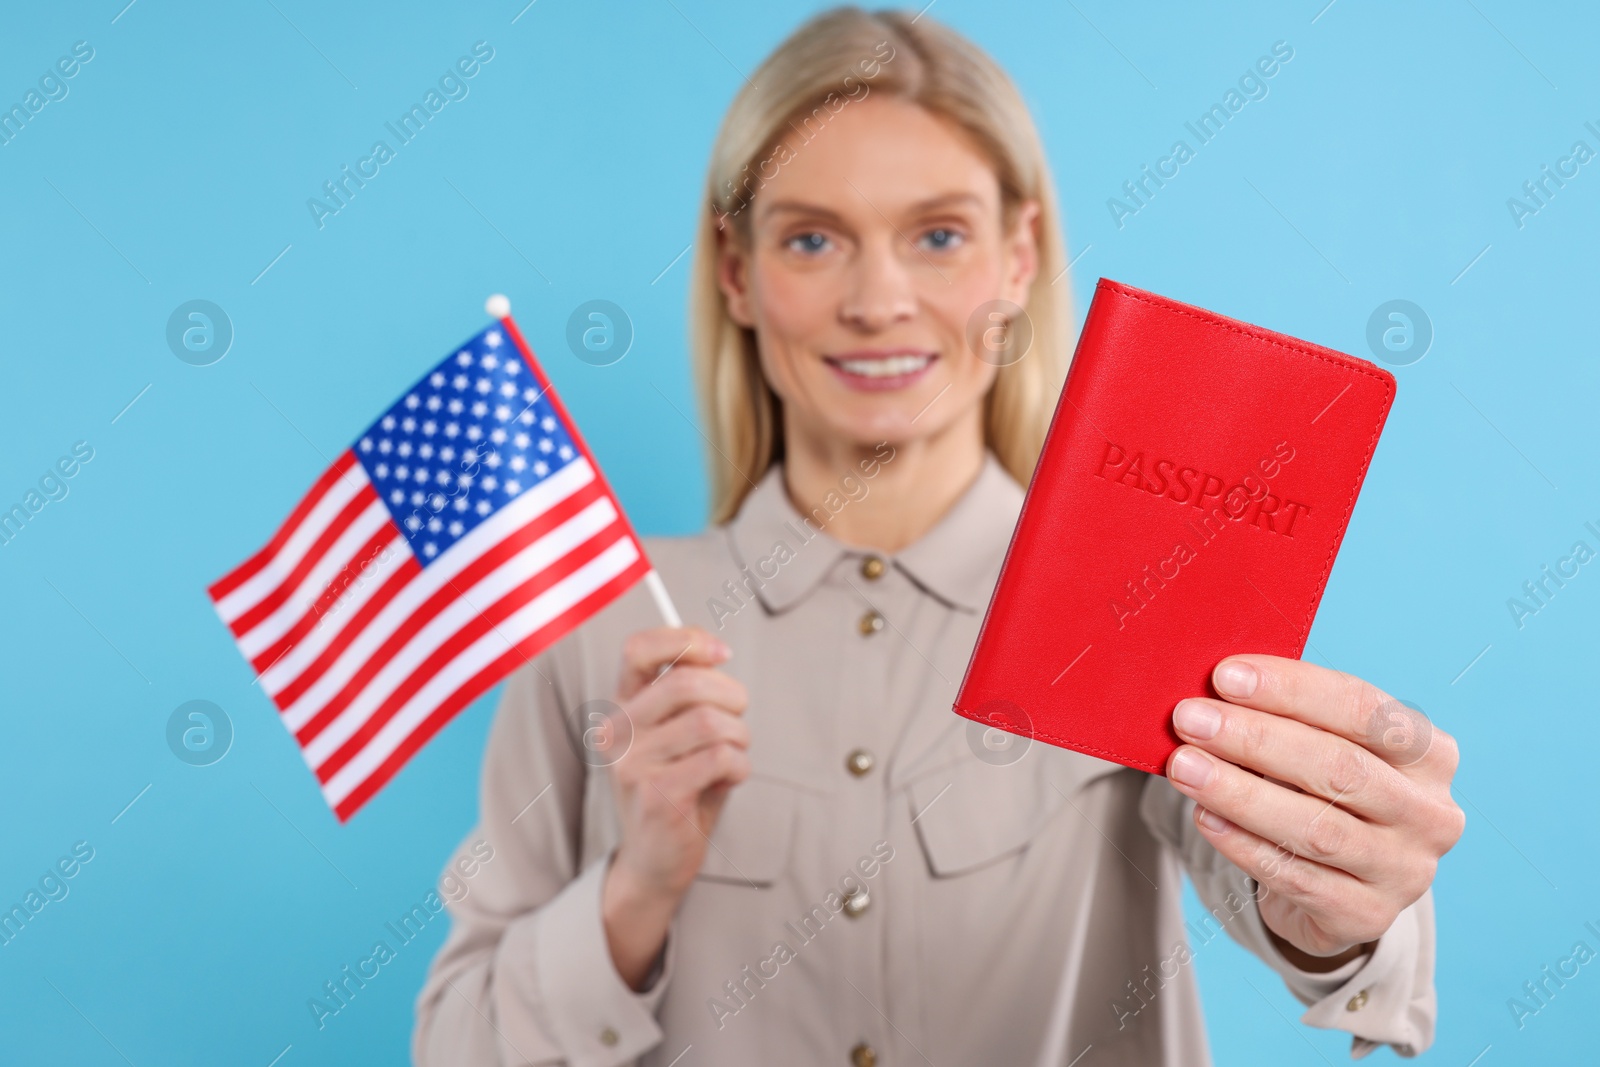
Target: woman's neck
(915,482)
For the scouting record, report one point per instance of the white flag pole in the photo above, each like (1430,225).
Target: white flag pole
(658,593)
(499,307)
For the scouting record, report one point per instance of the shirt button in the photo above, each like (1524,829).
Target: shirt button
(859,762)
(856,903)
(870,623)
(872,568)
(608,1037)
(863,1056)
(1357,1002)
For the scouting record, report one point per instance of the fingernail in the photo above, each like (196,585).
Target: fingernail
(720,648)
(1192,769)
(1212,821)
(1197,719)
(1236,679)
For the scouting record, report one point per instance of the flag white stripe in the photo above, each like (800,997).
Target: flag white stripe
(344,551)
(438,574)
(264,581)
(533,559)
(529,619)
(339,615)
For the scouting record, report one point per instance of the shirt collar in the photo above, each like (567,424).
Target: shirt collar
(783,555)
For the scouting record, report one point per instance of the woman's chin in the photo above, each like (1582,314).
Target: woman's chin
(869,417)
(894,423)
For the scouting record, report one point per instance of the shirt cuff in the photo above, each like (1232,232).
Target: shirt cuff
(561,958)
(1369,997)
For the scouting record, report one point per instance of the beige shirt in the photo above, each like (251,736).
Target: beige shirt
(893,885)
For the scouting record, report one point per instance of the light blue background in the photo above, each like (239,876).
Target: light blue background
(1378,167)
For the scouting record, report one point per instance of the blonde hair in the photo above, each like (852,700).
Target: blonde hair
(949,76)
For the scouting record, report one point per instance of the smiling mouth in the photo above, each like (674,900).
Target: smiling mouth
(888,371)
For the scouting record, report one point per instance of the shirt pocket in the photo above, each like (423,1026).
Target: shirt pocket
(750,845)
(971,814)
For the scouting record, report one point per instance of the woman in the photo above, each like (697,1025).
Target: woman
(783,849)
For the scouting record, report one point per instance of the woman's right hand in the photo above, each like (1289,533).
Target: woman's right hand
(689,748)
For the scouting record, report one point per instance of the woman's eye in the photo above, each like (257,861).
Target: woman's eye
(810,243)
(942,239)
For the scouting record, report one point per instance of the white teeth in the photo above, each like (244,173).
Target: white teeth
(885,368)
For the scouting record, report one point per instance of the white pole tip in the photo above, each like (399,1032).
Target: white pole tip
(497,306)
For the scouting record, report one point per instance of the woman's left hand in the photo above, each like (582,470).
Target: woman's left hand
(1334,796)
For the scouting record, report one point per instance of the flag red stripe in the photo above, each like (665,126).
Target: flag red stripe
(486,620)
(252,566)
(274,600)
(386,535)
(441,599)
(478,684)
(409,568)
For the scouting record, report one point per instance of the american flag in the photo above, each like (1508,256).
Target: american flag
(464,532)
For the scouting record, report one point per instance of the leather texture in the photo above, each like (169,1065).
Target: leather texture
(1195,485)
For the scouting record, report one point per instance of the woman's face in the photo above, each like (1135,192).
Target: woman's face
(870,250)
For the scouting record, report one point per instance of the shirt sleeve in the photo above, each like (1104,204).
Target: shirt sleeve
(1387,998)
(525,975)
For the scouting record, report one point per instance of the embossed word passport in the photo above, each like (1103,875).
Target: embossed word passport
(1194,487)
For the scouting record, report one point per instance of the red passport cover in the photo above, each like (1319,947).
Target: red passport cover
(1194,487)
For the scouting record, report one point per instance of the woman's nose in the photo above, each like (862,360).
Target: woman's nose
(880,288)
